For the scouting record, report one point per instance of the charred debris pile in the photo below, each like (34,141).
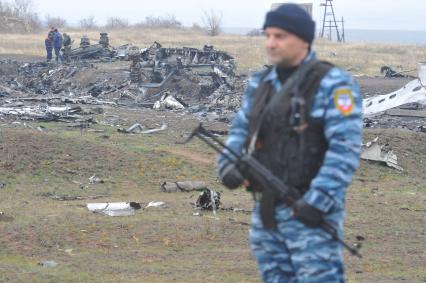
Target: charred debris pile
(200,81)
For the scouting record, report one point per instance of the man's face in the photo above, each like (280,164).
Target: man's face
(284,48)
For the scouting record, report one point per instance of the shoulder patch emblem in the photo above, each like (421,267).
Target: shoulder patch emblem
(344,101)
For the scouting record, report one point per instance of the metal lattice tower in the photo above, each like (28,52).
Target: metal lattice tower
(329,22)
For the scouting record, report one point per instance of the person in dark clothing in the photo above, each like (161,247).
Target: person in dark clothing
(67,40)
(67,43)
(48,42)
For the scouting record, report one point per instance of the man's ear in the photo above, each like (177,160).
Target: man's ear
(307,46)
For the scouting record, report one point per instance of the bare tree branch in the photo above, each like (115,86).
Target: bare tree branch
(56,22)
(88,23)
(116,23)
(212,21)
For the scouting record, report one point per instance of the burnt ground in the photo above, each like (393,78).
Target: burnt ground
(22,57)
(41,160)
(371,86)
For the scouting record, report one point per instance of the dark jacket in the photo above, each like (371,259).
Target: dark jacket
(57,40)
(48,43)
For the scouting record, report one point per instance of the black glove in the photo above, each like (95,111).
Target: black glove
(231,176)
(307,214)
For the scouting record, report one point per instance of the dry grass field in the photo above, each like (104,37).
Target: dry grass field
(385,206)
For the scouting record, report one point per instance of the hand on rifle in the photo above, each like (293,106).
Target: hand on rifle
(231,177)
(307,214)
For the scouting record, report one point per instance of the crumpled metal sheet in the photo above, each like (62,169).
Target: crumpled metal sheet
(40,112)
(138,129)
(186,186)
(209,200)
(157,204)
(151,131)
(133,129)
(167,101)
(374,151)
(114,208)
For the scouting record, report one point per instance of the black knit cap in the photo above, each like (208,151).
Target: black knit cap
(294,19)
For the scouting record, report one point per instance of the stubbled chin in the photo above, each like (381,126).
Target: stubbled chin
(273,61)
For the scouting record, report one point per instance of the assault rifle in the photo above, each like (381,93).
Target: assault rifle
(252,169)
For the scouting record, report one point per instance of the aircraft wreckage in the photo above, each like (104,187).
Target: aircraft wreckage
(188,79)
(156,65)
(413,92)
(202,81)
(405,107)
(90,51)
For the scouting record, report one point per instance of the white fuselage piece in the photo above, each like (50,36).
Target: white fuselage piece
(413,92)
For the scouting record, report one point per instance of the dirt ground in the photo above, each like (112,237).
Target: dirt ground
(22,57)
(385,206)
(371,86)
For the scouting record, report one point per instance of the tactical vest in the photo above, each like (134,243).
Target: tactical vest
(284,137)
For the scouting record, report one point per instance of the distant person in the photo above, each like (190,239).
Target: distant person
(48,42)
(67,40)
(66,49)
(57,45)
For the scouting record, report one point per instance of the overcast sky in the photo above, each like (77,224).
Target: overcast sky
(358,14)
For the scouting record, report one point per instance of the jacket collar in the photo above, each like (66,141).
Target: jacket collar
(273,75)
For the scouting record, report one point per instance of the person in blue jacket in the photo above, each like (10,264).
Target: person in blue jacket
(57,45)
(302,119)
